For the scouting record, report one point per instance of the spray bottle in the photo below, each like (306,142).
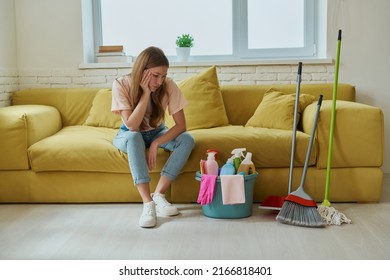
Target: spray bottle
(211,164)
(247,165)
(237,154)
(228,168)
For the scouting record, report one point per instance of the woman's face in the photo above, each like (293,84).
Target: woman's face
(159,74)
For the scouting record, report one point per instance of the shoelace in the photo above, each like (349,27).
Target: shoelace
(162,201)
(148,210)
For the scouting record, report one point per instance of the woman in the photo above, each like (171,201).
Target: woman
(141,99)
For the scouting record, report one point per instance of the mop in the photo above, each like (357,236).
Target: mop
(275,202)
(330,215)
(299,208)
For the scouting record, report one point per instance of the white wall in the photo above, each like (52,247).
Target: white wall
(7,32)
(365,52)
(50,48)
(49,33)
(8,65)
(365,47)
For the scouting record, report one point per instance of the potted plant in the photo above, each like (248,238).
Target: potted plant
(184,43)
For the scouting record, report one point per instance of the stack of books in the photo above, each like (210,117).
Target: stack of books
(112,54)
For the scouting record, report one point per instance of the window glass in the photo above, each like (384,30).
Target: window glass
(269,26)
(222,29)
(138,24)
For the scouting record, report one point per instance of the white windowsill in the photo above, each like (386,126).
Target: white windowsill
(216,63)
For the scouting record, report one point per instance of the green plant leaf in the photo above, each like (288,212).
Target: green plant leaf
(185,41)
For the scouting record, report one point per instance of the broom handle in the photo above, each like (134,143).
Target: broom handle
(332,121)
(313,131)
(298,89)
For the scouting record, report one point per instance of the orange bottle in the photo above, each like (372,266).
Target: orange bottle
(247,165)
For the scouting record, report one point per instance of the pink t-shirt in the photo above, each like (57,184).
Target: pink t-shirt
(174,102)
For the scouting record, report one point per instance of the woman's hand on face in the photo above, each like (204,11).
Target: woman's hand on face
(146,76)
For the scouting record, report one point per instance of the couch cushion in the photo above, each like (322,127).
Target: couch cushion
(250,96)
(353,145)
(205,105)
(276,110)
(100,114)
(72,103)
(270,147)
(20,127)
(82,148)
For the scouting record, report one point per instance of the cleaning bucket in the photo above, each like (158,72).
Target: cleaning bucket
(216,209)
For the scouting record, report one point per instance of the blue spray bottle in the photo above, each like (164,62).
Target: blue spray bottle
(228,168)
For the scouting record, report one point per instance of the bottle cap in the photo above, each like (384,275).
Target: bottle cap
(212,151)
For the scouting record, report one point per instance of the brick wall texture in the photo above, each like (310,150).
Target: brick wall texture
(12,80)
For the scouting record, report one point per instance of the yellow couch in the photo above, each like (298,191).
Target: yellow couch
(56,146)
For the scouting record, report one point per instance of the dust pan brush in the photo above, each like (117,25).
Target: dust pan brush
(299,208)
(330,215)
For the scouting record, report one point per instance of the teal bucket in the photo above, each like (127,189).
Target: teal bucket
(216,209)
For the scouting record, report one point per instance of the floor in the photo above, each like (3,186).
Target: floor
(111,232)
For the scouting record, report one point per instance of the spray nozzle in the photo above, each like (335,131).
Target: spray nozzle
(248,157)
(239,152)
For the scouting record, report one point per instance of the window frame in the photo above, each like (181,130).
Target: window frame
(240,36)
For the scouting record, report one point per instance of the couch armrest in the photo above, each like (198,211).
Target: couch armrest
(358,139)
(20,127)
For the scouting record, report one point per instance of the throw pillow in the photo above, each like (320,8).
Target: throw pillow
(205,107)
(276,110)
(100,114)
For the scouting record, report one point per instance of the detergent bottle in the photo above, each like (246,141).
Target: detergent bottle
(228,168)
(247,166)
(211,164)
(237,154)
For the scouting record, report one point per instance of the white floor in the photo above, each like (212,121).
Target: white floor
(111,232)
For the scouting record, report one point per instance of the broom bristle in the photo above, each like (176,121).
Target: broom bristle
(295,214)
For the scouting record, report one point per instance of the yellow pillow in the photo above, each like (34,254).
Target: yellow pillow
(276,110)
(100,114)
(205,107)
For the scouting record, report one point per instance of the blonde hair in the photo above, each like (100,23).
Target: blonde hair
(149,58)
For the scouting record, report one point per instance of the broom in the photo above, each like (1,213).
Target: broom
(298,208)
(328,213)
(275,202)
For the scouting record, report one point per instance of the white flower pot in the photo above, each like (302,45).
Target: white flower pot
(183,54)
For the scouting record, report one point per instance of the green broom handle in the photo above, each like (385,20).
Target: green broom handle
(332,121)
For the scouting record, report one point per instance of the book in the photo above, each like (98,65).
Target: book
(114,59)
(105,49)
(111,54)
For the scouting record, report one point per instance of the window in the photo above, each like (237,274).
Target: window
(222,29)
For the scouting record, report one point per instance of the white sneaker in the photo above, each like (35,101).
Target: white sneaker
(148,217)
(163,207)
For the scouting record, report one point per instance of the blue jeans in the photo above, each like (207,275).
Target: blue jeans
(134,143)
